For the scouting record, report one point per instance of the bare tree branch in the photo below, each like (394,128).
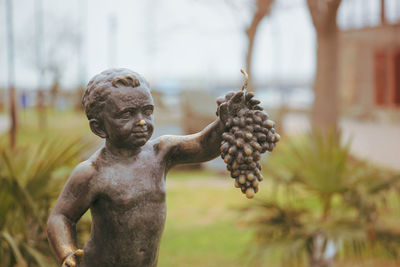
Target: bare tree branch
(263,10)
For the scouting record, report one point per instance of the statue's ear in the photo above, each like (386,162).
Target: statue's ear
(97,128)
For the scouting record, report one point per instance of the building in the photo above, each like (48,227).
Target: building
(370,59)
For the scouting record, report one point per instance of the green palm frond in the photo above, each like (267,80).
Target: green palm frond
(6,200)
(17,189)
(49,158)
(28,186)
(13,243)
(38,257)
(349,199)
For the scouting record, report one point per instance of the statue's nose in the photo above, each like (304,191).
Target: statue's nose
(142,123)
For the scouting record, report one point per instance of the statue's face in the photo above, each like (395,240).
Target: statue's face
(124,110)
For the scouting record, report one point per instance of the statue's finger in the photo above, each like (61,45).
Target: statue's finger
(223,112)
(249,96)
(220,100)
(237,97)
(254,102)
(229,95)
(69,262)
(79,253)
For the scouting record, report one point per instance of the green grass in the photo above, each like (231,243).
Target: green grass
(203,222)
(58,124)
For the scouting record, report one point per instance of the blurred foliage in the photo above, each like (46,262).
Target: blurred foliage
(31,177)
(325,205)
(60,123)
(205,231)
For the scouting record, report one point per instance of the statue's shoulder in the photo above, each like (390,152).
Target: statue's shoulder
(86,170)
(164,143)
(83,172)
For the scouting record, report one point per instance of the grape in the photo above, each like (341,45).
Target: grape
(253,165)
(243,167)
(239,143)
(250,176)
(250,192)
(257,119)
(249,159)
(248,136)
(224,147)
(247,150)
(261,137)
(227,159)
(235,174)
(239,157)
(255,183)
(232,150)
(256,145)
(235,165)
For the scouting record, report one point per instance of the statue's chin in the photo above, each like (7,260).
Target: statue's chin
(137,143)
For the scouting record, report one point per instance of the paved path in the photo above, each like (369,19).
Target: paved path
(377,142)
(3,123)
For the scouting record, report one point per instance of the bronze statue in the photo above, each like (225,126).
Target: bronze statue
(123,183)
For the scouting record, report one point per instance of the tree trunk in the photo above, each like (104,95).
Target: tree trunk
(41,109)
(11,74)
(325,110)
(13,117)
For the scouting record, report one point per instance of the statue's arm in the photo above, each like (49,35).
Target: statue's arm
(199,147)
(72,203)
(202,146)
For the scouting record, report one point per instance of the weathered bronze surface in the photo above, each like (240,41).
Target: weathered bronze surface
(123,183)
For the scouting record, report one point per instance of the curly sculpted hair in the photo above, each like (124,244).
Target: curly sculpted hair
(100,86)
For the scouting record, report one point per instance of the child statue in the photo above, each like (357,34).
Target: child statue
(123,183)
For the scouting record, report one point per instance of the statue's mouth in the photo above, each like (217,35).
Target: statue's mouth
(138,130)
(139,133)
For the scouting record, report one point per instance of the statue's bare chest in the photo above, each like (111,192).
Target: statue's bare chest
(128,185)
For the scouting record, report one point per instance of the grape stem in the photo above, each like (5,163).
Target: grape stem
(246,79)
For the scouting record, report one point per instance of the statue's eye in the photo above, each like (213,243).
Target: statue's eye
(125,115)
(148,111)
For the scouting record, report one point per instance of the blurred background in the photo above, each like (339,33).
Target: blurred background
(327,71)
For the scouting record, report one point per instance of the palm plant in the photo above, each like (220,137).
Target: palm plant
(330,205)
(30,179)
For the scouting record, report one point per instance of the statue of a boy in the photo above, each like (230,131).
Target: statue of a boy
(123,183)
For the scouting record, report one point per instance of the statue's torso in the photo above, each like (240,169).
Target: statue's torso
(128,213)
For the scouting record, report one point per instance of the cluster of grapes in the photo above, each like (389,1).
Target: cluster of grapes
(248,133)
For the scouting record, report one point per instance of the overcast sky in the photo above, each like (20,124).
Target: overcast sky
(164,40)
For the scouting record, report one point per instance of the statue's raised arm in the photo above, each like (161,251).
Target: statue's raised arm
(204,145)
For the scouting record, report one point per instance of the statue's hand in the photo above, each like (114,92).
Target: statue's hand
(232,103)
(72,259)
